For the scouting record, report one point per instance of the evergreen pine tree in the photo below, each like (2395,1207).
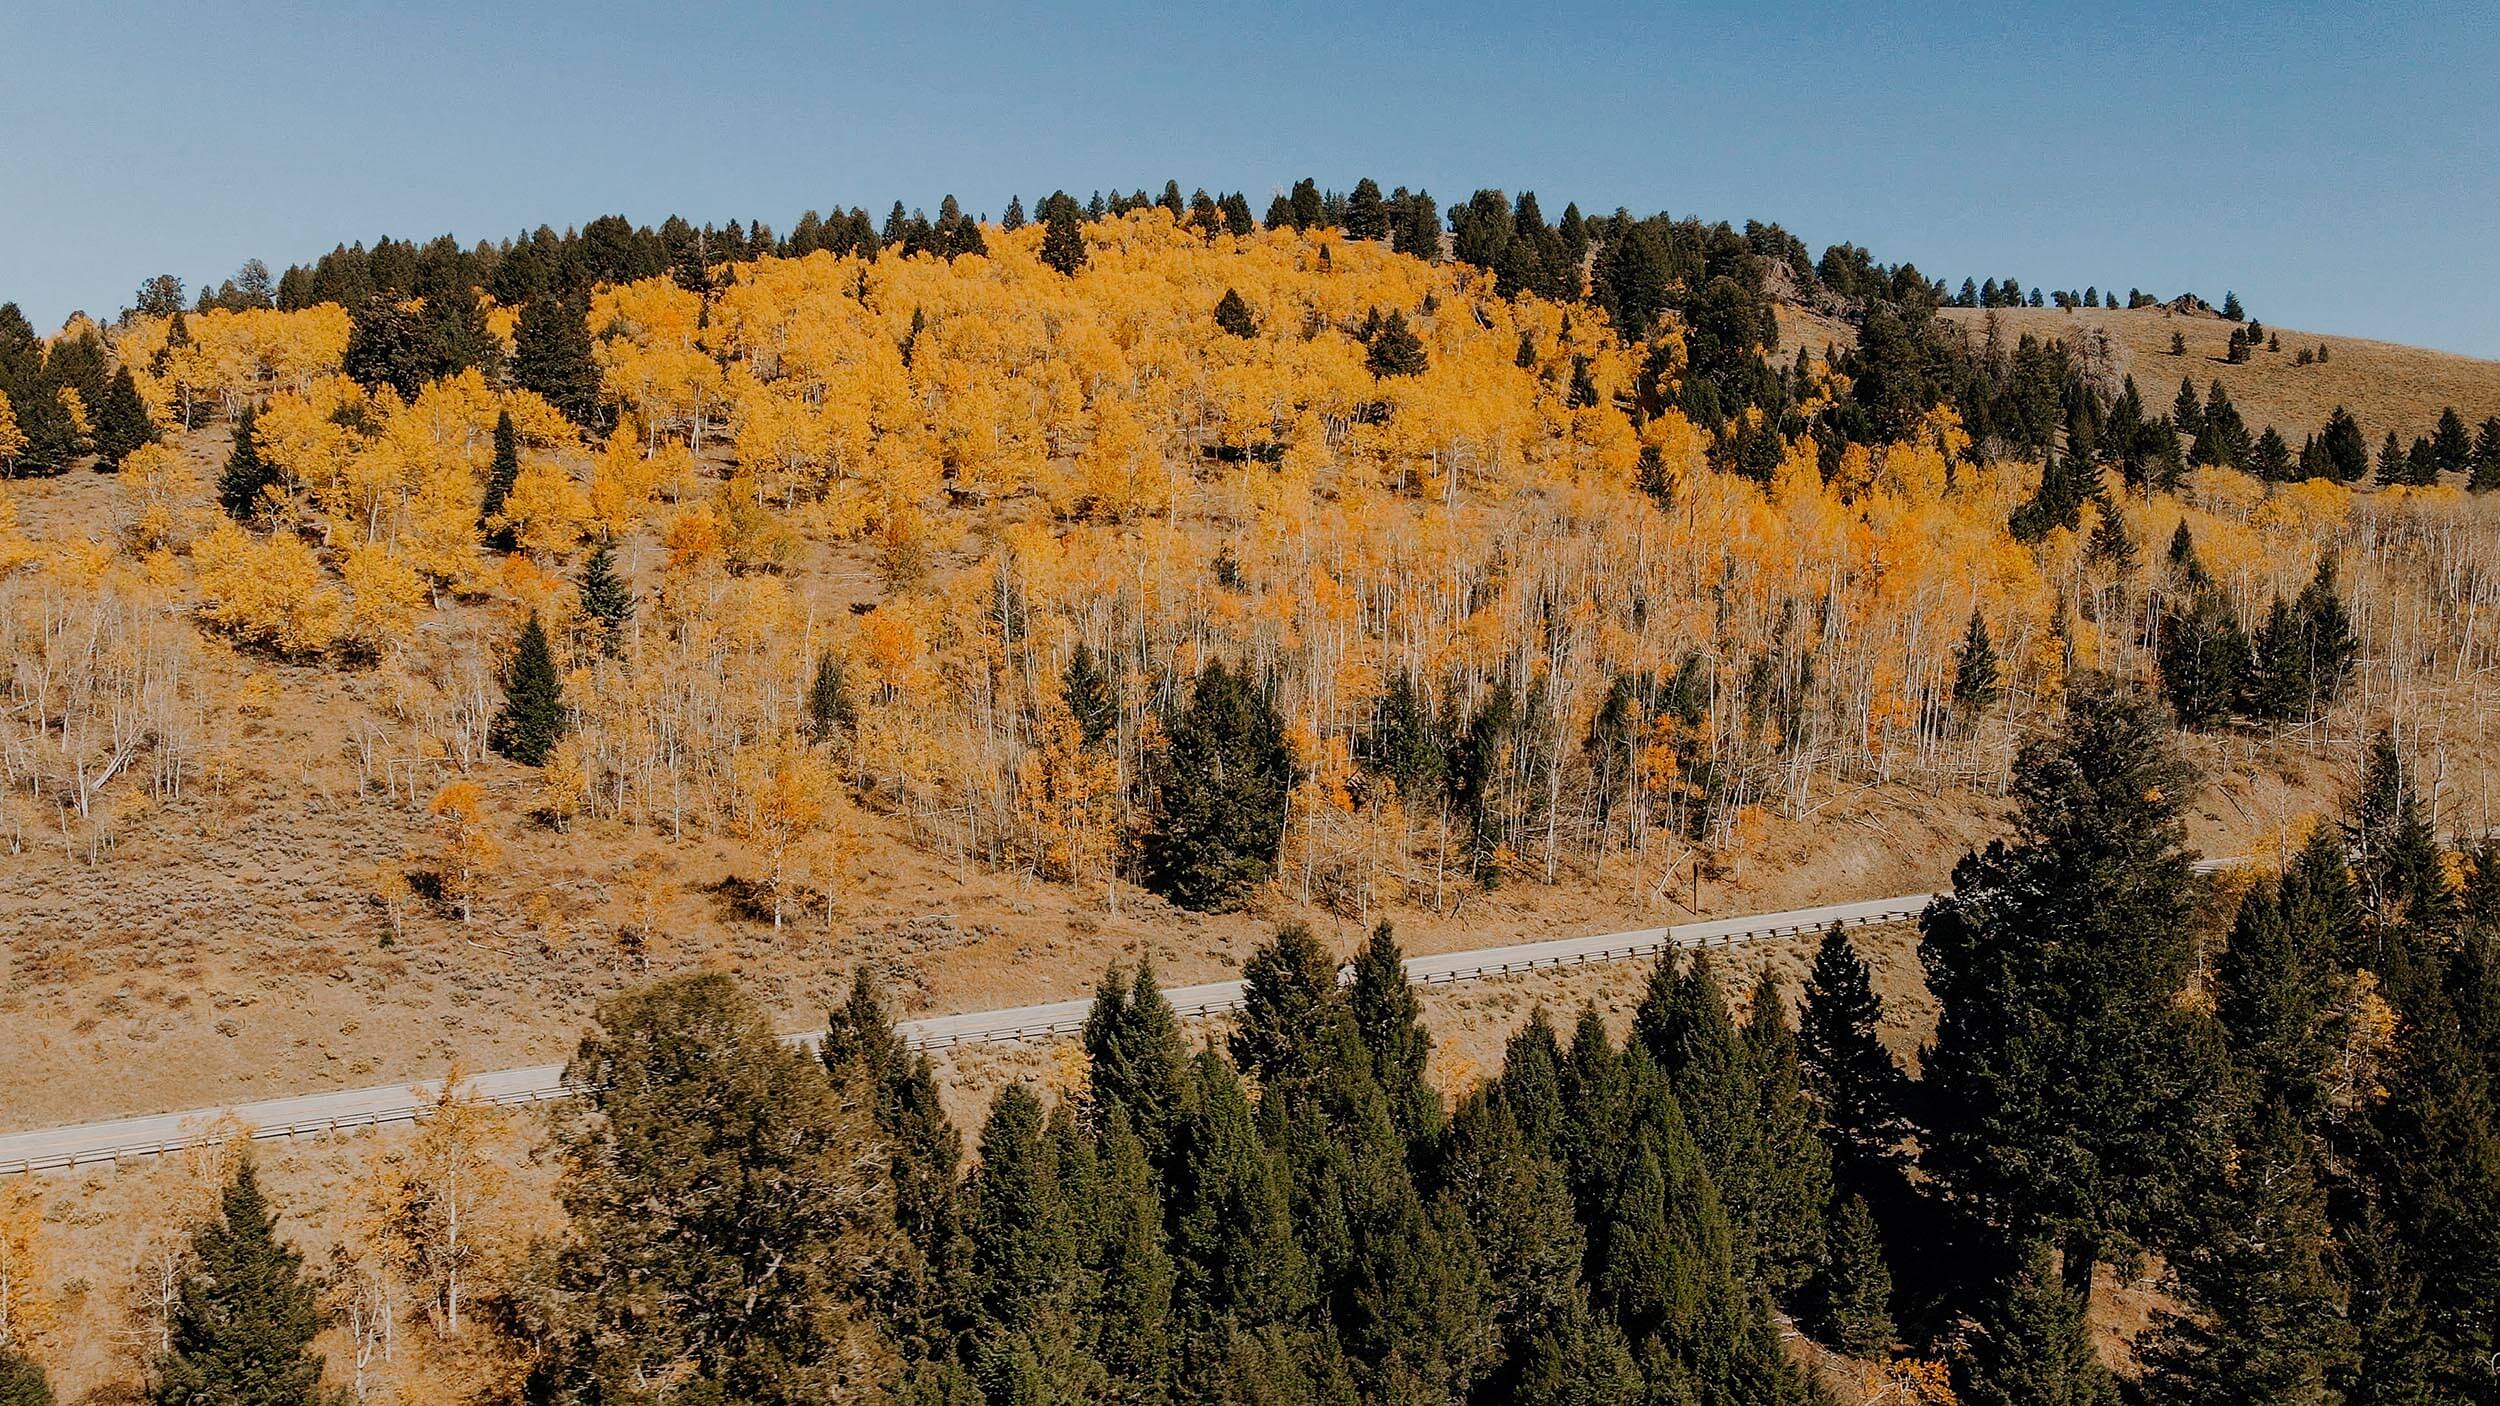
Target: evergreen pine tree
(501,474)
(2275,978)
(244,1316)
(2452,448)
(1130,1320)
(2067,1080)
(726,1230)
(2204,658)
(1135,1060)
(2187,412)
(1087,690)
(2396,861)
(1857,1087)
(533,719)
(1236,1260)
(2110,544)
(2263,1320)
(1389,1019)
(1797,1168)
(551,356)
(1684,1026)
(1366,217)
(1975,686)
(1233,315)
(2392,468)
(2276,688)
(1029,1286)
(1222,791)
(1063,235)
(1013,220)
(1854,1293)
(605,599)
(246,475)
(2327,638)
(870,1066)
(2033,1349)
(1395,349)
(122,421)
(2486,471)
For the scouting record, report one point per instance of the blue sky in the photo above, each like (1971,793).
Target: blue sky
(2337,165)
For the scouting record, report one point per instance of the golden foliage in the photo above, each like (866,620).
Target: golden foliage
(265,592)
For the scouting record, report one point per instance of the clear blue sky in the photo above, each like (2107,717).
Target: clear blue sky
(2336,164)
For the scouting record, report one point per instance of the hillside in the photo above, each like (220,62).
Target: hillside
(265,842)
(628,644)
(2386,386)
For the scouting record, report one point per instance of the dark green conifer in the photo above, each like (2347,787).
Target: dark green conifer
(2396,859)
(2263,1318)
(1222,791)
(1857,1086)
(1684,1026)
(1797,1169)
(1087,690)
(1135,1060)
(122,421)
(1395,349)
(244,1316)
(534,717)
(1063,236)
(1853,1300)
(2275,978)
(1236,1260)
(1233,315)
(872,1068)
(1125,1259)
(726,1230)
(2032,1348)
(607,602)
(2068,1082)
(2485,475)
(1027,1340)
(1389,1019)
(2452,448)
(501,474)
(1975,670)
(551,356)
(2392,466)
(2204,658)
(241,486)
(1366,217)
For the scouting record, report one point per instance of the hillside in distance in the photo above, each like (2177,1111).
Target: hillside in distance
(1573,602)
(432,654)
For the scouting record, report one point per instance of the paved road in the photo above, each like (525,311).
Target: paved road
(83,1144)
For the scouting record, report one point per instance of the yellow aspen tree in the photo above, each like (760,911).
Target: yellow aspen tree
(385,596)
(265,593)
(783,788)
(12,439)
(546,510)
(469,854)
(434,1201)
(1071,795)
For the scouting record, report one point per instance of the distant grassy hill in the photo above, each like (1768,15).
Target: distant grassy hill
(2385,385)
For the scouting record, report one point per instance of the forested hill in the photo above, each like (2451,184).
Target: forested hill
(416,655)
